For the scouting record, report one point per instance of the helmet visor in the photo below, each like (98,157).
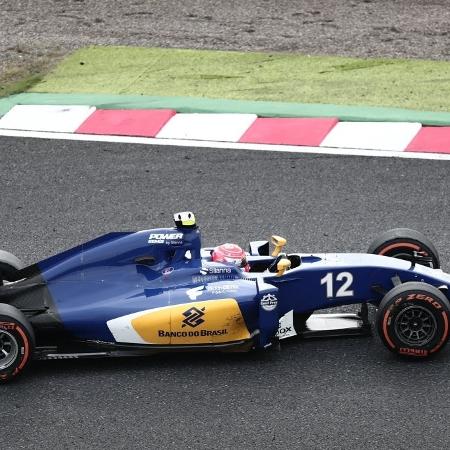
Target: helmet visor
(239,262)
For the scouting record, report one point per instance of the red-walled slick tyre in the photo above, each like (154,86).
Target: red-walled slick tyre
(413,319)
(16,342)
(403,243)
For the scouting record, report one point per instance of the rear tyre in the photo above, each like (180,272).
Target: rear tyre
(403,243)
(16,342)
(413,319)
(9,266)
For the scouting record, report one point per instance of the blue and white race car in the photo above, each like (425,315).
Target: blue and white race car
(137,293)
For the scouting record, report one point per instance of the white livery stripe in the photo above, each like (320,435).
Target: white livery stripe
(123,331)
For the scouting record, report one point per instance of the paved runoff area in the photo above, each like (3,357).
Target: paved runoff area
(166,124)
(334,393)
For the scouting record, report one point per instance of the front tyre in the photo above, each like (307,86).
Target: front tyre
(403,243)
(413,319)
(16,342)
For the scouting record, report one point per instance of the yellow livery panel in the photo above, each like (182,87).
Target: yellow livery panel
(205,322)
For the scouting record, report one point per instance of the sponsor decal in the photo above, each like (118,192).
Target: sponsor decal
(286,326)
(425,298)
(195,292)
(199,322)
(7,326)
(205,279)
(165,238)
(193,317)
(269,302)
(187,334)
(413,351)
(222,289)
(215,270)
(284,330)
(212,278)
(167,271)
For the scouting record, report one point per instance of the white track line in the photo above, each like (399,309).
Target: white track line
(224,145)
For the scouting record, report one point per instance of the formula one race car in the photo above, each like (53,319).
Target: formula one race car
(137,293)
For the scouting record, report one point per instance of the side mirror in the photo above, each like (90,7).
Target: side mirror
(279,243)
(283,265)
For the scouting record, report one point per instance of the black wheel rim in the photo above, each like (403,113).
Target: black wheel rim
(415,326)
(8,349)
(406,256)
(402,255)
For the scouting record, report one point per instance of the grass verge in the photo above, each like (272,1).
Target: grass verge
(18,80)
(404,83)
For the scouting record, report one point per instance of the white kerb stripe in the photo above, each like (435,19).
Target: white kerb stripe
(207,127)
(55,118)
(389,136)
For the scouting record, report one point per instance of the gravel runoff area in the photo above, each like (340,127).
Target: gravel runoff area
(33,34)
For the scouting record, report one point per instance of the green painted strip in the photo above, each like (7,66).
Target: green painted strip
(6,104)
(252,76)
(201,105)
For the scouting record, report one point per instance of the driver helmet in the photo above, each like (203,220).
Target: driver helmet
(231,253)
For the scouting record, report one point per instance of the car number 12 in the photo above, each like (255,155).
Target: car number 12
(344,290)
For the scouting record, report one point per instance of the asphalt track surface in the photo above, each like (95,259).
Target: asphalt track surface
(341,393)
